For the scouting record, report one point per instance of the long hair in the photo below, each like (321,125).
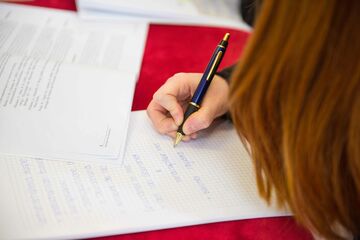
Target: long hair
(295,99)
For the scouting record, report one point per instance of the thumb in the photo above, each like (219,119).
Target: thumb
(198,121)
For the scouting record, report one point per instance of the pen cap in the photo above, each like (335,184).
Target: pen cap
(224,41)
(210,70)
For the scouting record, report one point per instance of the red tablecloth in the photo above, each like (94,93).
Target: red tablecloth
(171,49)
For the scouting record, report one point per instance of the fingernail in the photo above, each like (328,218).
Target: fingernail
(174,126)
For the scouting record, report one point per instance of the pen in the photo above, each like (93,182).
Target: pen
(204,83)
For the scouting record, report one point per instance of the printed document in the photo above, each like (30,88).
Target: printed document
(66,86)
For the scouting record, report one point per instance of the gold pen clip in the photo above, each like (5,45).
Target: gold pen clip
(217,60)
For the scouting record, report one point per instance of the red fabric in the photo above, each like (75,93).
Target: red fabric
(171,49)
(59,4)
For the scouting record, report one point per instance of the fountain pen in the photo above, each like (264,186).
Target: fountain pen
(204,84)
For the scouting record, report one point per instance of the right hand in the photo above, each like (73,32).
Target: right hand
(166,110)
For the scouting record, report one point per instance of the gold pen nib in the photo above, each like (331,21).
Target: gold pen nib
(178,138)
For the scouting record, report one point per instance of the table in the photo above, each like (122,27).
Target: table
(171,49)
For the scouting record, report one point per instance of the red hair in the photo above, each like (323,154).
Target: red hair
(295,98)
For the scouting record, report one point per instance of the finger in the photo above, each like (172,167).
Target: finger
(162,123)
(176,90)
(186,139)
(171,104)
(181,85)
(213,106)
(193,135)
(173,136)
(198,121)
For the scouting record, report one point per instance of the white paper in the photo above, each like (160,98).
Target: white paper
(66,86)
(60,35)
(199,12)
(158,186)
(61,110)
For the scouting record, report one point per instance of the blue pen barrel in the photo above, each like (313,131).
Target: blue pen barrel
(204,83)
(208,75)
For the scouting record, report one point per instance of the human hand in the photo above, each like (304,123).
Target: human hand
(166,109)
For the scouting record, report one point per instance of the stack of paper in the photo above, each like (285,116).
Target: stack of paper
(158,186)
(203,12)
(66,86)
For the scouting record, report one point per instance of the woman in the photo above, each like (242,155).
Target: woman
(295,99)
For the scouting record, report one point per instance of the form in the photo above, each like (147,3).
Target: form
(157,186)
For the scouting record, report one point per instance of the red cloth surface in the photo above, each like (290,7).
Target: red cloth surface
(171,49)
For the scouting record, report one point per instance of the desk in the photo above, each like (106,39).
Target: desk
(172,49)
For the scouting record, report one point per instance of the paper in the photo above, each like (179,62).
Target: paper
(166,8)
(66,86)
(199,12)
(60,35)
(158,186)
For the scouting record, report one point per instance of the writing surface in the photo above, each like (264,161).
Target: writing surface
(157,186)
